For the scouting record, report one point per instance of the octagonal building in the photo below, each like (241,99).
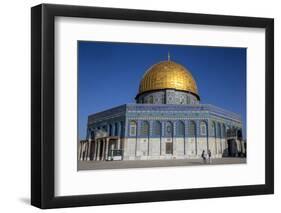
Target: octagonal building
(166,122)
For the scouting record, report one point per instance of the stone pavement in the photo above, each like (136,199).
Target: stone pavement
(92,165)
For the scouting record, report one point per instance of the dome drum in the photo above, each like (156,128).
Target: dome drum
(167,96)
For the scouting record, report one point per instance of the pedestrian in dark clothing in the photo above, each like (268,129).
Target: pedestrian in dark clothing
(209,156)
(203,155)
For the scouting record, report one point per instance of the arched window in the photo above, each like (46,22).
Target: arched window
(219,130)
(150,99)
(133,128)
(162,99)
(213,129)
(156,128)
(145,129)
(169,129)
(203,128)
(191,129)
(187,100)
(180,128)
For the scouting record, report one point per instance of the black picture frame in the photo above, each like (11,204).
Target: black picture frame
(43,105)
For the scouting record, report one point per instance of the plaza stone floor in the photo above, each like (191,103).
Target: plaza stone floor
(92,165)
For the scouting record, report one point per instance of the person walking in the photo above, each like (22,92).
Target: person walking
(203,155)
(209,156)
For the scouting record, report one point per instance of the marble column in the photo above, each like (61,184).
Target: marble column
(98,150)
(106,149)
(103,147)
(85,151)
(79,150)
(95,150)
(82,151)
(118,143)
(89,149)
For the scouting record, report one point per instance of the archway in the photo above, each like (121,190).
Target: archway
(232,148)
(169,135)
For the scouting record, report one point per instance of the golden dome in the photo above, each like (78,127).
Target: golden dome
(168,75)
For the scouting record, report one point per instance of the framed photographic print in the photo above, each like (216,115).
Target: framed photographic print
(141,106)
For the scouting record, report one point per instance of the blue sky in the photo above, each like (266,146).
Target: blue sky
(109,74)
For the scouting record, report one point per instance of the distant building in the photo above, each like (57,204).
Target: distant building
(166,122)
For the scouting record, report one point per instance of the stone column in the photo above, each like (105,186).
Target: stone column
(98,150)
(85,151)
(118,143)
(243,147)
(79,151)
(103,151)
(89,150)
(82,151)
(95,150)
(106,149)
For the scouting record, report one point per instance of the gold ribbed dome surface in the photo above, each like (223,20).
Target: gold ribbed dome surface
(168,75)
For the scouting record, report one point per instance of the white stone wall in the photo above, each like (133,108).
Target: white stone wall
(154,147)
(191,147)
(129,148)
(202,145)
(179,147)
(217,146)
(213,146)
(144,148)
